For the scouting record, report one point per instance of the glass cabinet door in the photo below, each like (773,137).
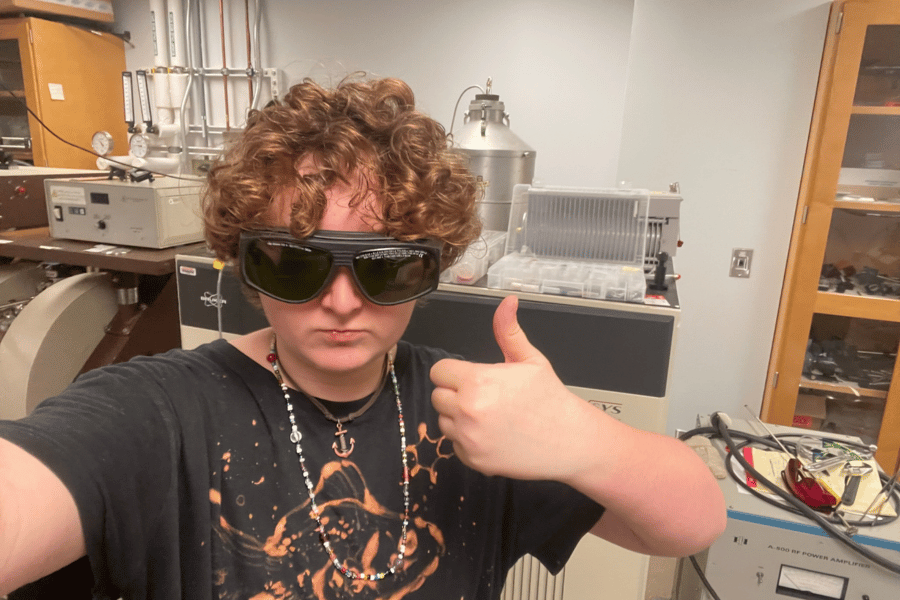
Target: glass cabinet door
(15,139)
(851,358)
(834,366)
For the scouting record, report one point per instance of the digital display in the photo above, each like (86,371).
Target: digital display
(99,198)
(801,583)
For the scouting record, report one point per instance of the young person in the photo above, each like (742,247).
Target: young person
(322,457)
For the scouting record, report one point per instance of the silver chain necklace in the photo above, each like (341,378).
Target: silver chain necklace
(296,436)
(340,446)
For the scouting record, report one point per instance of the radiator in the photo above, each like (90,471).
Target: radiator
(530,580)
(597,570)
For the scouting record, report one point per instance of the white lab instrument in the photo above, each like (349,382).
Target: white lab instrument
(153,213)
(49,342)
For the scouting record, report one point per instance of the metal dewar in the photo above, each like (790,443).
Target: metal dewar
(497,157)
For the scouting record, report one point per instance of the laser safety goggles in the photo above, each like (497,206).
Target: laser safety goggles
(806,488)
(387,271)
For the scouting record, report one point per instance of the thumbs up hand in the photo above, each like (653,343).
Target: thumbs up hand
(509,418)
(518,420)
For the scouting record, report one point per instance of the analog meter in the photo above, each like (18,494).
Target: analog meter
(139,145)
(102,143)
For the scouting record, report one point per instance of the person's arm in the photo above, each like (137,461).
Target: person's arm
(660,497)
(517,419)
(40,530)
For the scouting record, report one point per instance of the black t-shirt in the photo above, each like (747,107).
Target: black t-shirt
(188,486)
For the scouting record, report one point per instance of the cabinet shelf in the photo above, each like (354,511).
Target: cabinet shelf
(860,307)
(869,206)
(887,111)
(842,388)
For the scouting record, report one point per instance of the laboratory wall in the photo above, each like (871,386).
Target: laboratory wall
(714,94)
(559,67)
(719,97)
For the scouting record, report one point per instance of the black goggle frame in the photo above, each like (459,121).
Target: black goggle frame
(344,249)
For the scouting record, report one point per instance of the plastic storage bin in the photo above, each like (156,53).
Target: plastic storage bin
(588,243)
(474,263)
(601,281)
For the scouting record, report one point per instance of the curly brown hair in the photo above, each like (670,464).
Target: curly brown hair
(358,127)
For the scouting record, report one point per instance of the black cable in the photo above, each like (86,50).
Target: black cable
(876,521)
(827,526)
(768,442)
(781,436)
(88,25)
(91,152)
(703,578)
(220,301)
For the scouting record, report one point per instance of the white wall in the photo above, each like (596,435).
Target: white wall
(559,67)
(719,97)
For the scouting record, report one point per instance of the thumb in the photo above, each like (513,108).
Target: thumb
(512,340)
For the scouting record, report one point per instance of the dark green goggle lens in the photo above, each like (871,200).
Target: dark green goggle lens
(286,272)
(395,275)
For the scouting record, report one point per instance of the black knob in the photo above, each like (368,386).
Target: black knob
(101,224)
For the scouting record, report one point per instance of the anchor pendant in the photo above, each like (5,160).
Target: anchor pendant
(340,446)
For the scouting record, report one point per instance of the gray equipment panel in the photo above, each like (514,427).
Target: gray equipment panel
(157,213)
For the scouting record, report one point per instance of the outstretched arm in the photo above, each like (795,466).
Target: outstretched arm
(40,530)
(517,419)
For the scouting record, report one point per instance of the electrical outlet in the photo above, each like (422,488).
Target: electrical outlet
(740,262)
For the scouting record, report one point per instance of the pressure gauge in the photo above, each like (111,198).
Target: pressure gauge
(102,143)
(139,145)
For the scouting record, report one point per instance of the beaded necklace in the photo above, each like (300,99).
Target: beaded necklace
(340,446)
(296,436)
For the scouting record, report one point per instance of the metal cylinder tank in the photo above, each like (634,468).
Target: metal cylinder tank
(497,157)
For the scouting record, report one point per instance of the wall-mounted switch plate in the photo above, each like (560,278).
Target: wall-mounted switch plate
(740,262)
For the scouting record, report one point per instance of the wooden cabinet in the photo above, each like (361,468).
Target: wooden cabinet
(71,79)
(834,362)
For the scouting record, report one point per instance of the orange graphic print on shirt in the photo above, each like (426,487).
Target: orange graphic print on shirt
(286,559)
